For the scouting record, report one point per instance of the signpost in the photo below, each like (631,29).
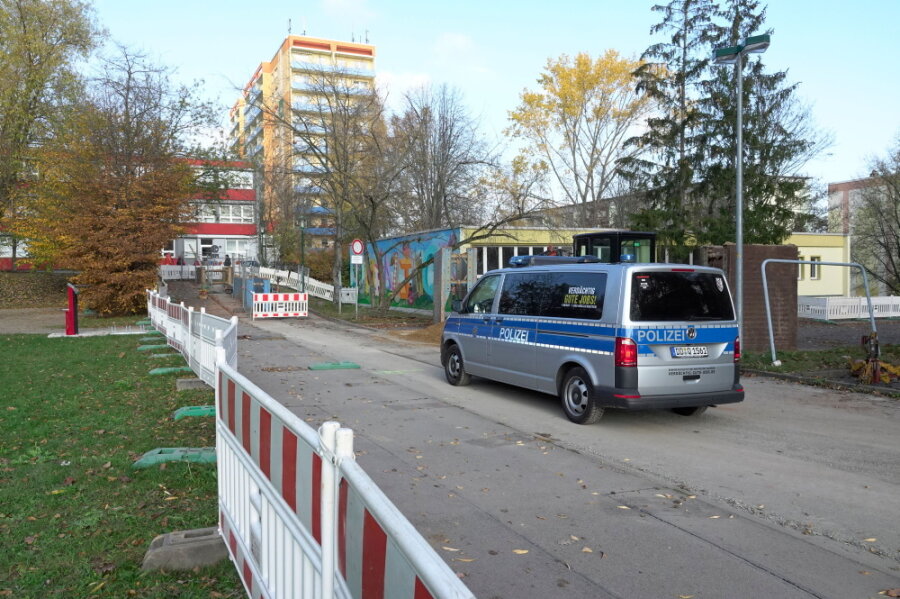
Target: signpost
(357,247)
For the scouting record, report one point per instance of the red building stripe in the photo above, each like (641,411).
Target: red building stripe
(231,402)
(373,558)
(421,591)
(289,468)
(342,527)
(265,442)
(317,497)
(245,421)
(232,542)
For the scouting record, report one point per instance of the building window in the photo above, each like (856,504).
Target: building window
(800,268)
(815,272)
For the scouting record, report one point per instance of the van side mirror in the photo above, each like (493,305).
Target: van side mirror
(456,305)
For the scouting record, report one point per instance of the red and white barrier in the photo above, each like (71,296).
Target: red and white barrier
(280,305)
(301,519)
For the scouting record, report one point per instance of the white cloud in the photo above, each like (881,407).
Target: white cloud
(395,85)
(458,54)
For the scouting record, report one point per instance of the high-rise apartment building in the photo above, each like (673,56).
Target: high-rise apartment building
(281,113)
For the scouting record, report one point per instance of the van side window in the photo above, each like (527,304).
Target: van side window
(523,293)
(481,300)
(574,295)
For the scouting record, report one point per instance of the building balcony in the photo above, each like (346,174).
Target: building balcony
(250,114)
(312,169)
(308,189)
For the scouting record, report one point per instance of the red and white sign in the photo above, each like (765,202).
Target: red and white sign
(357,247)
(280,305)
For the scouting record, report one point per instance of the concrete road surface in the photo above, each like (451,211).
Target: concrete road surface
(793,493)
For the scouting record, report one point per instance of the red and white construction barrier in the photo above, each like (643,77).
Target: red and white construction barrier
(300,517)
(280,305)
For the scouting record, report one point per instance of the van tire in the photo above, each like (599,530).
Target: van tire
(693,411)
(578,398)
(454,369)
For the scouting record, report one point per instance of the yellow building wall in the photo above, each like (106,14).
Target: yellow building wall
(524,236)
(827,247)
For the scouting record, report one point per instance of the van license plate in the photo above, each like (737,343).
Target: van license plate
(690,351)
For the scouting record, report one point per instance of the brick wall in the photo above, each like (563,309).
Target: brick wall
(782,282)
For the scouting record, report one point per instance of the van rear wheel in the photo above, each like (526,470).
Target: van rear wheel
(453,367)
(577,396)
(693,411)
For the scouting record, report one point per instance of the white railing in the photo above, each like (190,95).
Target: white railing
(299,516)
(313,287)
(839,308)
(170,272)
(194,334)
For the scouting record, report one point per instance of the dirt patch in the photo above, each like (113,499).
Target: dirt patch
(430,334)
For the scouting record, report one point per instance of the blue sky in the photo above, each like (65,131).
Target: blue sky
(843,54)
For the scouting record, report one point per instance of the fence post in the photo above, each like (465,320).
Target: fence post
(327,435)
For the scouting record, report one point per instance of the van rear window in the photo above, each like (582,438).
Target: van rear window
(679,296)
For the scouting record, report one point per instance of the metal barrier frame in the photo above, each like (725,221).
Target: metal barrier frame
(775,360)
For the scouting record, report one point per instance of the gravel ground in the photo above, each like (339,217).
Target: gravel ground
(813,334)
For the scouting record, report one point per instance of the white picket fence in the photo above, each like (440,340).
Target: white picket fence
(301,519)
(299,516)
(843,308)
(315,288)
(193,334)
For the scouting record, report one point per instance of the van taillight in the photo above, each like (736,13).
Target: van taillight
(737,349)
(626,352)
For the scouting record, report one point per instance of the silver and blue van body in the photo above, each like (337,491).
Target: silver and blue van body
(629,336)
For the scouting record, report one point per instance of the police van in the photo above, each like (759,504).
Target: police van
(598,335)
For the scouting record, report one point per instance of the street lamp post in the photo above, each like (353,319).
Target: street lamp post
(756,44)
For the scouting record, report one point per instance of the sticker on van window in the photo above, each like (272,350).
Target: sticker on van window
(580,297)
(720,284)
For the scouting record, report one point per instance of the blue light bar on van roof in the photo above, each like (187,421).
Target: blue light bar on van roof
(520,261)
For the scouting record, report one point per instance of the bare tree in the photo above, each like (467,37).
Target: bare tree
(445,159)
(876,224)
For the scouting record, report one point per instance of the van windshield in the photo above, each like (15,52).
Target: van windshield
(679,296)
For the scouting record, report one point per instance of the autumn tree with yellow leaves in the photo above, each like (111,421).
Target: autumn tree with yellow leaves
(113,186)
(574,125)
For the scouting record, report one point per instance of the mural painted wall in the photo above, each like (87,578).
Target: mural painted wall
(400,255)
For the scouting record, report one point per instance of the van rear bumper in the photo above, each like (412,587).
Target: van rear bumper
(630,400)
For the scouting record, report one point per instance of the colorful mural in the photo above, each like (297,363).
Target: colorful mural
(400,256)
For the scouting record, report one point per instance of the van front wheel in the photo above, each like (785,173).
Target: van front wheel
(577,396)
(453,367)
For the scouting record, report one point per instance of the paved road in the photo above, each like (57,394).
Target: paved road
(774,497)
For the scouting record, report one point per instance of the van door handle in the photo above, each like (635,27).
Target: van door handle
(498,320)
(487,319)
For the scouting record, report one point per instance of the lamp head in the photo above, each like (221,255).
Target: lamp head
(756,44)
(727,55)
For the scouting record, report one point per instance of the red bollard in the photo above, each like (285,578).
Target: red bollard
(72,311)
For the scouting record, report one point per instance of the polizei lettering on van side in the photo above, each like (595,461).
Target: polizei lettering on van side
(513,335)
(661,336)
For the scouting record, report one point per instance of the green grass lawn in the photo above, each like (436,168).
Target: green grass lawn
(809,361)
(75,518)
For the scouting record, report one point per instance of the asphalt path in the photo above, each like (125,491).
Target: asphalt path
(793,493)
